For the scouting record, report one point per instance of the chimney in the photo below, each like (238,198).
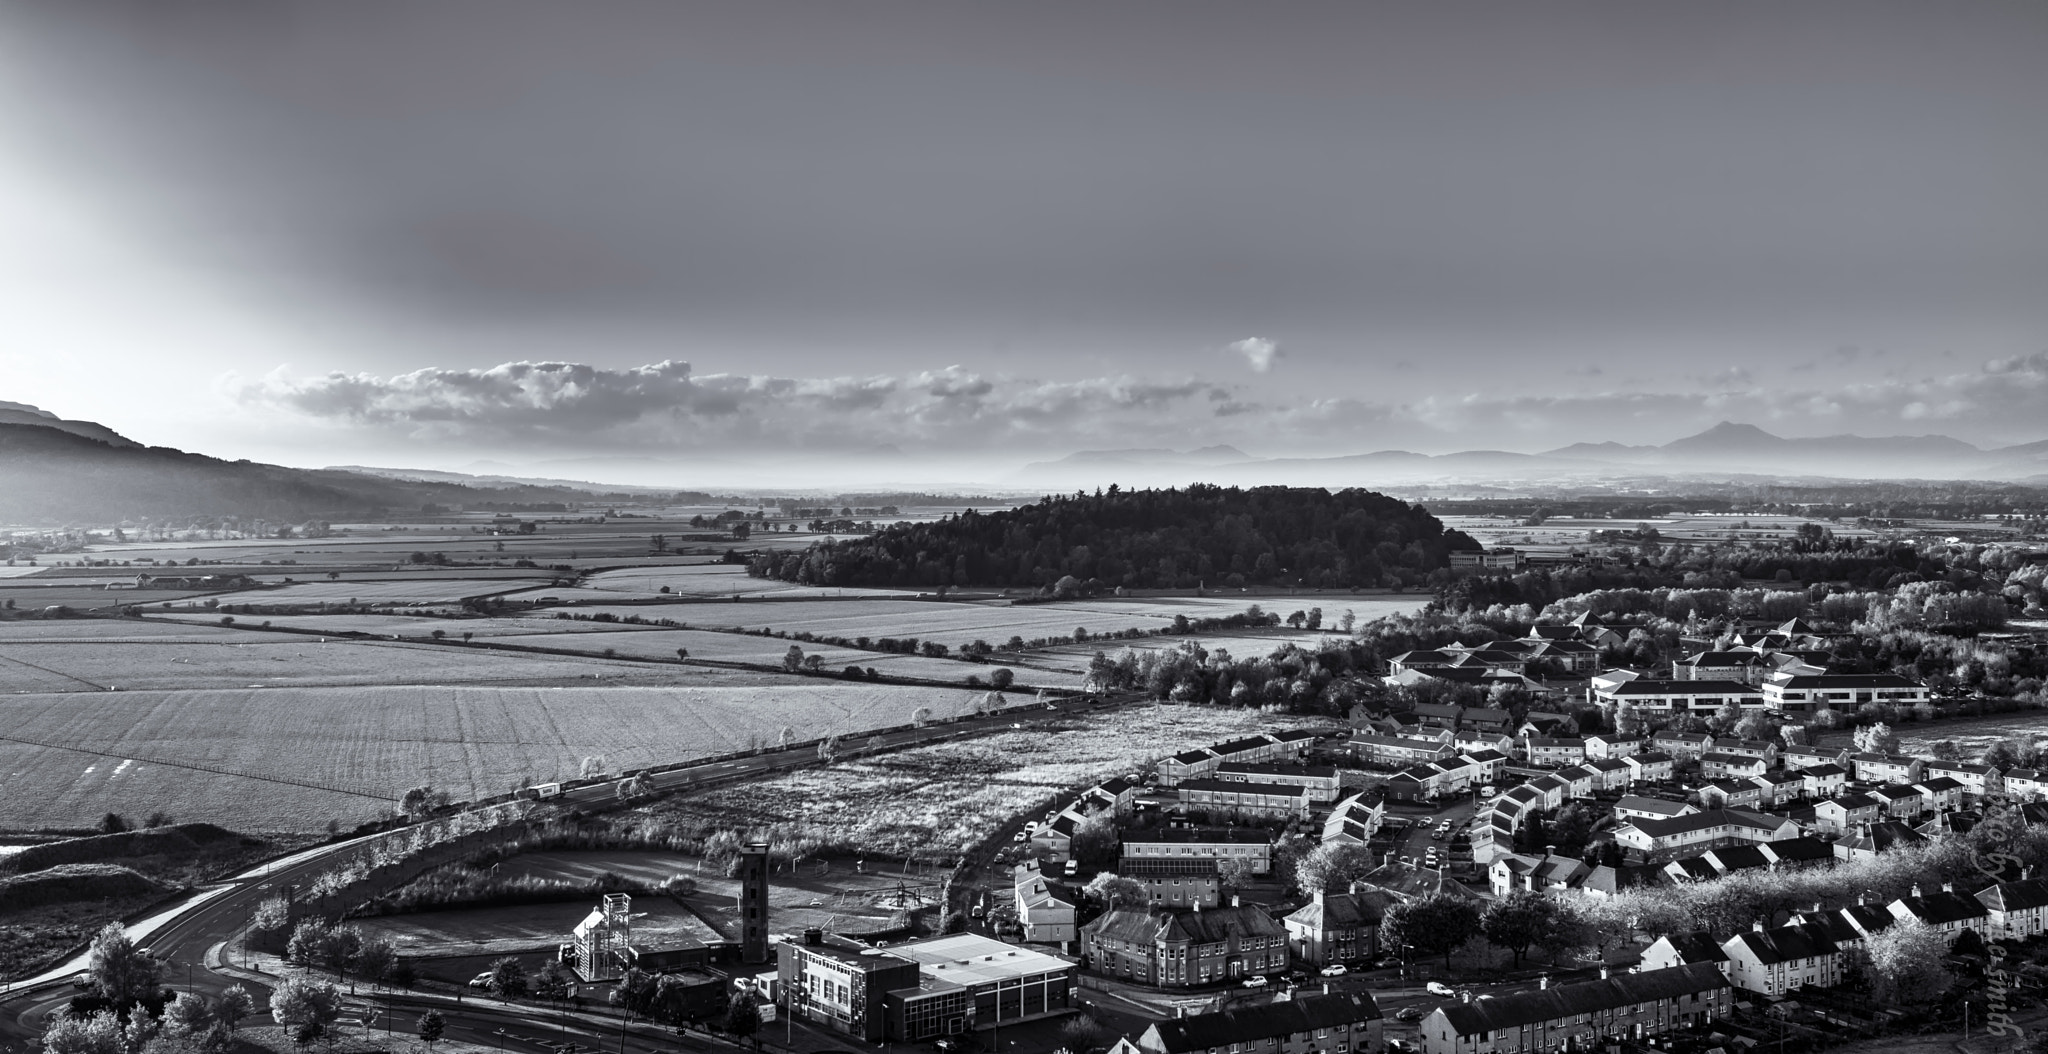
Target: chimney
(1198,905)
(1326,988)
(1603,971)
(1948,887)
(1543,982)
(1464,995)
(1757,926)
(1916,890)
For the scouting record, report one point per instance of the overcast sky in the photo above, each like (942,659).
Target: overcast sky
(429,233)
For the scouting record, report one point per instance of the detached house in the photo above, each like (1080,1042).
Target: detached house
(1172,949)
(1338,927)
(1046,918)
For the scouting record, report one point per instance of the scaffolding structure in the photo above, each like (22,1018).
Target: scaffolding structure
(604,939)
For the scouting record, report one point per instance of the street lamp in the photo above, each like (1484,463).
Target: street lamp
(501,1038)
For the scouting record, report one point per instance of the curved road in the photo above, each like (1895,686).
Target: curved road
(193,936)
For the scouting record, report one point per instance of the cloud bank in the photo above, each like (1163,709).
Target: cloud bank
(1258,352)
(572,407)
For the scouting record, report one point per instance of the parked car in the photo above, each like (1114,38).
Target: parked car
(1255,981)
(1438,988)
(1334,970)
(1411,1013)
(482,980)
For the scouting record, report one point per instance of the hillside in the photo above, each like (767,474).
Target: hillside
(51,475)
(1176,538)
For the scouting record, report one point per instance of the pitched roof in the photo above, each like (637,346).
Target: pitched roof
(1699,946)
(1638,803)
(1331,911)
(1786,943)
(1564,1001)
(1841,680)
(1249,1023)
(2015,896)
(1666,827)
(1213,926)
(1943,905)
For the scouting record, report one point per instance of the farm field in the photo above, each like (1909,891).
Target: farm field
(661,644)
(410,626)
(438,590)
(949,623)
(361,747)
(267,660)
(1074,658)
(933,801)
(708,579)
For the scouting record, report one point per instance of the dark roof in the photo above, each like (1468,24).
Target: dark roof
(1871,918)
(1255,769)
(2013,896)
(1191,757)
(1824,770)
(1238,746)
(1723,658)
(1213,926)
(1184,835)
(1844,680)
(1944,905)
(1648,757)
(1939,783)
(1647,686)
(1739,857)
(1564,1001)
(1365,908)
(1798,850)
(1245,1024)
(1659,828)
(1787,943)
(1699,946)
(1277,790)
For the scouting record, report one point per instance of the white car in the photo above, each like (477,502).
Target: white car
(1255,981)
(482,980)
(1334,970)
(1438,988)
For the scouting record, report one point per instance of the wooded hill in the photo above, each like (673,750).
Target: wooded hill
(53,476)
(1178,538)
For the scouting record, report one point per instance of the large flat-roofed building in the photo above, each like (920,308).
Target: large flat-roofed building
(920,990)
(992,982)
(1798,692)
(1253,846)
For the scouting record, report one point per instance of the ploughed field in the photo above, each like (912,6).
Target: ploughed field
(293,759)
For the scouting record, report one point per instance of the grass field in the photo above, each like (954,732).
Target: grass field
(705,580)
(738,647)
(526,927)
(380,740)
(936,801)
(437,590)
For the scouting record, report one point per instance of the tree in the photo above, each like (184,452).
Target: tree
(1112,890)
(793,659)
(1628,720)
(682,654)
(1947,750)
(233,1005)
(431,1025)
(634,786)
(1756,724)
(1234,871)
(1094,837)
(297,1003)
(98,1033)
(2000,755)
(1908,963)
(375,958)
(113,823)
(921,716)
(121,973)
(1518,921)
(1726,718)
(1332,867)
(1876,739)
(1001,677)
(272,919)
(1434,925)
(743,1018)
(508,978)
(1793,735)
(185,1020)
(552,982)
(828,749)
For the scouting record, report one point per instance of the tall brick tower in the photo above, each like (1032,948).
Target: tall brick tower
(754,903)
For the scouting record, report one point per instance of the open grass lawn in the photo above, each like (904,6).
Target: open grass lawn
(937,801)
(817,893)
(380,740)
(521,928)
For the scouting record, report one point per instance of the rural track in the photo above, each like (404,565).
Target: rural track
(196,767)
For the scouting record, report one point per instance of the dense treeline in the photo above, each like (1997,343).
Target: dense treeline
(1178,538)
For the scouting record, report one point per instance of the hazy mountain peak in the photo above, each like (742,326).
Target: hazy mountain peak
(23,414)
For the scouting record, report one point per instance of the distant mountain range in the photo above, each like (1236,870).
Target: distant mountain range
(54,471)
(1727,448)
